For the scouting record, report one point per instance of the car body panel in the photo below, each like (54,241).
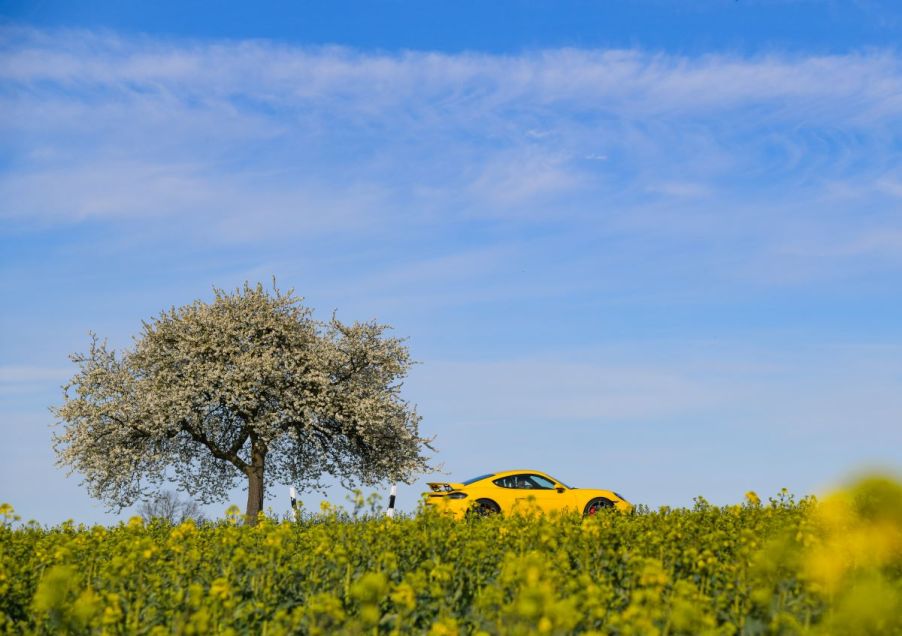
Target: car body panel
(517,492)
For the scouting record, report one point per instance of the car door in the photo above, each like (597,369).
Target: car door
(554,495)
(528,491)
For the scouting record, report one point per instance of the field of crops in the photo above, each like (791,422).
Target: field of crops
(780,566)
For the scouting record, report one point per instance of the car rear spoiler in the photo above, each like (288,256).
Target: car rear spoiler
(441,486)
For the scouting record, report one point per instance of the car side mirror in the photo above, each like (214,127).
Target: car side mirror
(560,489)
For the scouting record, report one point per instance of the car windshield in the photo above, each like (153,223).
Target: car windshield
(475,479)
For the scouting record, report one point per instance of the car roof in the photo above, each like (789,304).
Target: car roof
(521,471)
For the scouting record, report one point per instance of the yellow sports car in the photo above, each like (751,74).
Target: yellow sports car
(518,491)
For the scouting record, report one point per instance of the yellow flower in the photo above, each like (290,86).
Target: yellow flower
(220,589)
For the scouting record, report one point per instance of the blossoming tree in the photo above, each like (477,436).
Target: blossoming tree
(248,386)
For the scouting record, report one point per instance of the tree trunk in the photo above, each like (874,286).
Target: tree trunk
(255,480)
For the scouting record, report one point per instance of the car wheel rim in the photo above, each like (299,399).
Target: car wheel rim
(595,507)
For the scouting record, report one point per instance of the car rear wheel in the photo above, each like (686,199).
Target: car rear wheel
(484,508)
(597,505)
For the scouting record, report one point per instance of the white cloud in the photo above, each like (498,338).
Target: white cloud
(559,391)
(518,179)
(893,187)
(15,374)
(680,189)
(473,85)
(244,142)
(23,379)
(797,392)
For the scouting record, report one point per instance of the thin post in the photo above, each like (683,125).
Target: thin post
(391,501)
(294,500)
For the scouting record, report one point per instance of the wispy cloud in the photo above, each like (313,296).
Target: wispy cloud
(804,386)
(618,79)
(754,164)
(15,379)
(530,391)
(501,131)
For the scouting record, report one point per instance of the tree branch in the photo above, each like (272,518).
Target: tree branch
(229,455)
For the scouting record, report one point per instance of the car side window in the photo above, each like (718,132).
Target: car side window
(519,482)
(542,483)
(525,482)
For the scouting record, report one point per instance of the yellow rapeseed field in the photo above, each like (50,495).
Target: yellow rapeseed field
(776,567)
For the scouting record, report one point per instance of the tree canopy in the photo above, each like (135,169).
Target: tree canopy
(248,386)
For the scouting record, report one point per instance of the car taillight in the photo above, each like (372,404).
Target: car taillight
(457,495)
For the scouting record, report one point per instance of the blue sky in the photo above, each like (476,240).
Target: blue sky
(645,246)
